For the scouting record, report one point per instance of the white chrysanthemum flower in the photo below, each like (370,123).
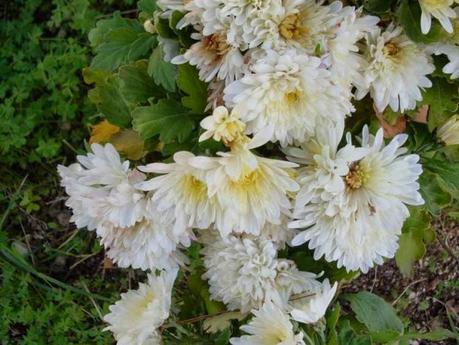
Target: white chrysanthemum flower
(342,54)
(311,309)
(80,195)
(452,52)
(290,281)
(439,9)
(357,222)
(182,191)
(289,93)
(222,126)
(214,57)
(448,133)
(251,21)
(125,204)
(245,272)
(136,317)
(323,165)
(101,189)
(211,18)
(270,326)
(397,71)
(241,272)
(149,244)
(103,196)
(251,190)
(103,166)
(304,24)
(279,234)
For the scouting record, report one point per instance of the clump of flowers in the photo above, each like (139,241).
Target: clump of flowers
(264,178)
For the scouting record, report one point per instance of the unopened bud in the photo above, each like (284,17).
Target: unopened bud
(149,26)
(449,132)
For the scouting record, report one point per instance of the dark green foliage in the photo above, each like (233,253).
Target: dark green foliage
(44,112)
(40,84)
(168,119)
(35,315)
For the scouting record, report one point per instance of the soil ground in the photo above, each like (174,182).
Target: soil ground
(430,298)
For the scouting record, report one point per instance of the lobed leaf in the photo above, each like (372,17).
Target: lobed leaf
(164,73)
(189,82)
(374,312)
(167,118)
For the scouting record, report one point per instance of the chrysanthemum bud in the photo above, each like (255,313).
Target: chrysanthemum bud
(223,126)
(449,132)
(149,26)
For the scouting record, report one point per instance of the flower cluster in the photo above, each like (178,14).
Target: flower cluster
(285,72)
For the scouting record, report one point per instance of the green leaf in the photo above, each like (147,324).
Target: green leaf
(189,82)
(435,335)
(435,197)
(384,337)
(200,288)
(100,33)
(174,20)
(417,232)
(148,6)
(164,73)
(163,27)
(223,338)
(374,312)
(347,336)
(419,220)
(454,215)
(91,76)
(447,172)
(305,261)
(332,320)
(377,6)
(111,102)
(121,45)
(166,118)
(409,16)
(137,86)
(411,249)
(443,101)
(209,147)
(420,139)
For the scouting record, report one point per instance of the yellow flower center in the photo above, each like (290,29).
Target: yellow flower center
(194,188)
(455,35)
(292,97)
(275,336)
(247,180)
(137,309)
(436,4)
(391,49)
(291,27)
(216,43)
(231,130)
(356,177)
